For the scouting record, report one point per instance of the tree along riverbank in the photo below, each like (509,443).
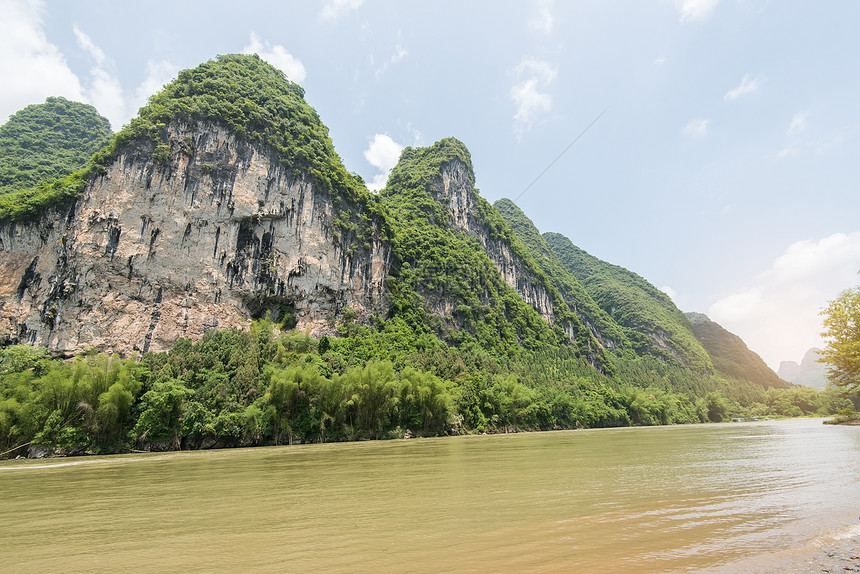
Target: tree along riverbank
(238,388)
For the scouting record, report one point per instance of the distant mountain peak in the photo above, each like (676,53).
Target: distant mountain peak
(810,372)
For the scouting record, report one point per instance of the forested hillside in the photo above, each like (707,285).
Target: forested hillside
(730,354)
(607,331)
(260,294)
(652,321)
(446,277)
(47,141)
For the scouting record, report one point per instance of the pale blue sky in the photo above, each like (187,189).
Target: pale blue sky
(724,170)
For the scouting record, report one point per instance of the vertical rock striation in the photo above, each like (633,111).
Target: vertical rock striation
(157,249)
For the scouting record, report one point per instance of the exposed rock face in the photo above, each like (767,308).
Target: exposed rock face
(215,234)
(455,186)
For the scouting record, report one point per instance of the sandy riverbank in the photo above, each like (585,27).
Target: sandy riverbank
(838,556)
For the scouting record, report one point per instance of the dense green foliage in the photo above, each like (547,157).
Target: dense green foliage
(28,203)
(842,333)
(730,354)
(573,292)
(260,386)
(256,102)
(650,319)
(441,266)
(260,106)
(45,142)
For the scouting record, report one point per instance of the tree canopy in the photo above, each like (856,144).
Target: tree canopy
(842,332)
(43,142)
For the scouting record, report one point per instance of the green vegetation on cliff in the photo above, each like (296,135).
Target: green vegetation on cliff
(251,98)
(256,102)
(573,292)
(651,321)
(44,142)
(730,354)
(441,267)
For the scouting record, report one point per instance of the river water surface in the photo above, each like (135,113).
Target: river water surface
(741,497)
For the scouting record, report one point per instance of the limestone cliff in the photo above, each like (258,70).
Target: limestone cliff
(598,322)
(214,233)
(455,187)
(467,264)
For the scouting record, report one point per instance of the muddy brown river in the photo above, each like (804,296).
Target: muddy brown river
(740,497)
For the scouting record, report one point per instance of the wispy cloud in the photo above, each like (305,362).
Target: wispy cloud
(37,66)
(692,10)
(777,315)
(383,154)
(277,56)
(529,92)
(789,151)
(697,128)
(542,20)
(104,90)
(398,54)
(798,123)
(334,9)
(748,85)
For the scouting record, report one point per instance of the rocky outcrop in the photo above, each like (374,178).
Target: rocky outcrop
(455,187)
(169,245)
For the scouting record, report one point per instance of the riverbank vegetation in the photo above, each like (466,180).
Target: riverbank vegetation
(263,386)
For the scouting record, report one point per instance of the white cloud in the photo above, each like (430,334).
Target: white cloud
(691,10)
(809,260)
(778,314)
(86,44)
(383,154)
(798,123)
(334,9)
(542,21)
(399,53)
(736,307)
(277,56)
(697,128)
(38,68)
(104,90)
(789,151)
(158,73)
(534,76)
(748,85)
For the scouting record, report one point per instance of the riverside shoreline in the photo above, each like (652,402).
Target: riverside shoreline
(841,555)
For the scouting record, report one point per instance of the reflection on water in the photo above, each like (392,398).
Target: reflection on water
(666,499)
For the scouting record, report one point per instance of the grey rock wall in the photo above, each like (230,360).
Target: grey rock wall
(154,251)
(456,187)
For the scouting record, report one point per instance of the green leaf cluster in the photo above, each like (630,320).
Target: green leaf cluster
(842,333)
